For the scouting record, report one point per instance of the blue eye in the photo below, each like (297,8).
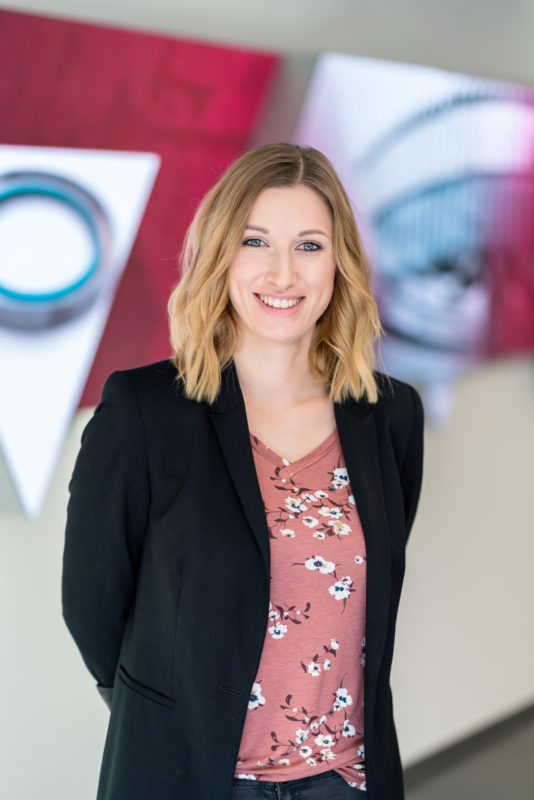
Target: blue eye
(253,242)
(310,246)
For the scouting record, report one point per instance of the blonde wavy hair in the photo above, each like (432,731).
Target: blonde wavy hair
(202,326)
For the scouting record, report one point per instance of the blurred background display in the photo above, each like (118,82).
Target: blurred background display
(441,169)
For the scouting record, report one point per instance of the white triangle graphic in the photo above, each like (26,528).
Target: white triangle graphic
(43,371)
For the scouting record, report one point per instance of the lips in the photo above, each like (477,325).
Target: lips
(279,302)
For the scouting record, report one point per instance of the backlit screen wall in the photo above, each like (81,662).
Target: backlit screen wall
(440,168)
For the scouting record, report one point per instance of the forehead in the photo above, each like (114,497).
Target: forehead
(290,206)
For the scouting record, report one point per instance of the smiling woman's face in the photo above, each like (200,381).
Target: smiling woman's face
(282,277)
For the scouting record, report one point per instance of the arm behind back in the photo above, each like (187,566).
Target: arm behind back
(106,520)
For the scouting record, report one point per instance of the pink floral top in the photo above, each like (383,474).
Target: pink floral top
(305,713)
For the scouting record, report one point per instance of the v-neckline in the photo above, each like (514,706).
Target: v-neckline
(300,463)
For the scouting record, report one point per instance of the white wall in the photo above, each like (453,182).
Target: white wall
(464,654)
(52,720)
(464,646)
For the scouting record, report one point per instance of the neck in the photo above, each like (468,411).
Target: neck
(276,375)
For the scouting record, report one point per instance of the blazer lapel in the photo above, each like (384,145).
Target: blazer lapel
(357,433)
(229,419)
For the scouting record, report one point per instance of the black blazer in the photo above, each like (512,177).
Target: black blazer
(166,575)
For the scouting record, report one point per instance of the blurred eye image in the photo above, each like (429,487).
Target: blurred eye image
(433,288)
(442,247)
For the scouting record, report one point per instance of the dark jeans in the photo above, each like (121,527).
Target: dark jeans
(326,786)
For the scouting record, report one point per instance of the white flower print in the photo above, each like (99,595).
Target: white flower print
(284,762)
(341,478)
(352,784)
(343,699)
(348,729)
(328,755)
(363,642)
(352,501)
(325,741)
(294,504)
(319,535)
(273,613)
(336,513)
(364,785)
(334,644)
(301,735)
(359,559)
(317,562)
(341,528)
(341,589)
(357,766)
(288,533)
(246,777)
(311,761)
(305,751)
(320,494)
(311,522)
(324,511)
(256,698)
(361,751)
(310,498)
(327,664)
(278,630)
(314,669)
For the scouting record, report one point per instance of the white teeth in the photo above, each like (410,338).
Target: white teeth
(275,302)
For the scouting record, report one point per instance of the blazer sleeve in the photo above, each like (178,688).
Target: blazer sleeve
(412,465)
(106,520)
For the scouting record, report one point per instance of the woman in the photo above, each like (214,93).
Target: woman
(238,515)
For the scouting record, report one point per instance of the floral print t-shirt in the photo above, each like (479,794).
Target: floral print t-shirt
(305,712)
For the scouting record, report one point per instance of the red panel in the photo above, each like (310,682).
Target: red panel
(65,84)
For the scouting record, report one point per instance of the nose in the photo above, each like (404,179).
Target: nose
(282,272)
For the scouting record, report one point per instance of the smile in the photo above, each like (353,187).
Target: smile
(277,302)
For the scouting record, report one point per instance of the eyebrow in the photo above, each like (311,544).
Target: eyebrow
(256,228)
(307,233)
(302,233)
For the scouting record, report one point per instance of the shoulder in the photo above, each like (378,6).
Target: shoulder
(151,382)
(148,377)
(398,412)
(153,392)
(394,395)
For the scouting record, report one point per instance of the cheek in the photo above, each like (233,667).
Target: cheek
(234,279)
(328,289)
(239,273)
(325,281)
